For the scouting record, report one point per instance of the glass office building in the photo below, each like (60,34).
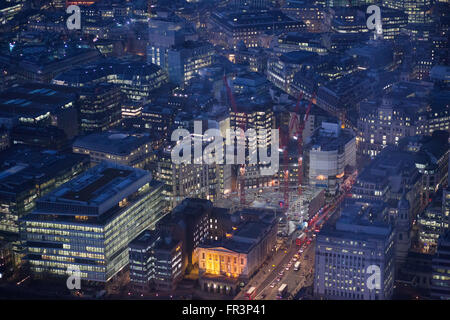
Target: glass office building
(89,222)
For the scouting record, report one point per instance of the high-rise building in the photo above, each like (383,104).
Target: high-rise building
(174,47)
(418,11)
(189,222)
(355,260)
(432,224)
(188,180)
(100,107)
(156,261)
(88,222)
(27,174)
(185,60)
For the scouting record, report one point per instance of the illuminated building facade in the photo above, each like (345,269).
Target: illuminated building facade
(344,253)
(188,180)
(300,41)
(238,256)
(186,59)
(89,222)
(432,224)
(418,11)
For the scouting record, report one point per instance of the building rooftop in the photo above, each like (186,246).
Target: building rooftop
(111,142)
(21,168)
(35,100)
(128,69)
(360,220)
(94,192)
(329,141)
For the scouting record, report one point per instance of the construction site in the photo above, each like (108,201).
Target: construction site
(285,191)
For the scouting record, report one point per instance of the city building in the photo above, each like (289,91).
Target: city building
(175,48)
(440,282)
(136,79)
(403,229)
(27,174)
(185,60)
(190,222)
(228,28)
(281,70)
(430,154)
(225,262)
(188,180)
(41,64)
(100,107)
(340,96)
(156,262)
(360,245)
(387,176)
(312,15)
(88,222)
(432,224)
(403,112)
(129,149)
(42,105)
(330,153)
(418,11)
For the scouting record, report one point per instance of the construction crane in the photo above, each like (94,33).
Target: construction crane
(299,136)
(241,181)
(285,145)
(296,128)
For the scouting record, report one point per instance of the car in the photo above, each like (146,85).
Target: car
(278,279)
(287,268)
(301,250)
(272,285)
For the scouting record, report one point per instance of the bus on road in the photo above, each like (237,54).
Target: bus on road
(251,293)
(282,290)
(301,239)
(297,266)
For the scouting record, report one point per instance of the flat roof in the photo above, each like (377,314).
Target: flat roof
(87,192)
(118,143)
(94,192)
